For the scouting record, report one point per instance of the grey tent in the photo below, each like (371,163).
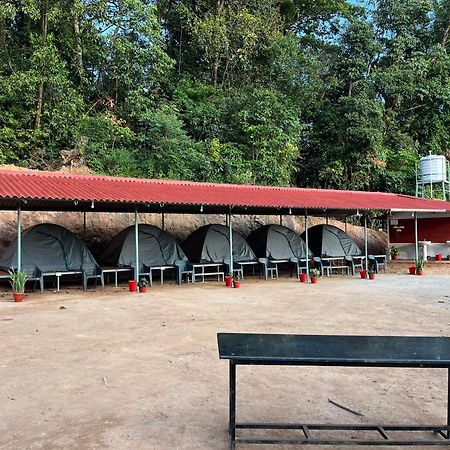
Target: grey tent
(330,241)
(157,248)
(51,248)
(277,242)
(211,244)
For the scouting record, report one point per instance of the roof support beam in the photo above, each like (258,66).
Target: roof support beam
(136,243)
(231,243)
(366,243)
(19,239)
(307,244)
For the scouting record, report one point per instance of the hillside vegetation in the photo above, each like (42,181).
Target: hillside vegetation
(319,93)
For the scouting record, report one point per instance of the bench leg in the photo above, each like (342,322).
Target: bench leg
(448,402)
(232,422)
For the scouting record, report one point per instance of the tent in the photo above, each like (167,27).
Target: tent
(211,244)
(50,248)
(277,242)
(330,241)
(157,248)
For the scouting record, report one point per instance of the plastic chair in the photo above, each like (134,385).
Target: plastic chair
(377,262)
(92,271)
(267,267)
(354,263)
(237,268)
(183,268)
(298,264)
(323,266)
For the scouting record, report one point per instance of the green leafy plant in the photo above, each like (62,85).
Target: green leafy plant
(18,278)
(371,272)
(315,272)
(143,282)
(419,263)
(236,277)
(394,251)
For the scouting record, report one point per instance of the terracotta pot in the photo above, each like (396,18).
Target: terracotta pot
(18,296)
(228,281)
(371,276)
(142,289)
(412,270)
(363,274)
(237,283)
(313,280)
(439,257)
(132,285)
(302,277)
(419,272)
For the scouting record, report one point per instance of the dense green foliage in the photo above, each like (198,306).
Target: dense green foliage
(320,93)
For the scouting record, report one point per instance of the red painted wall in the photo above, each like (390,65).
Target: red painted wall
(434,230)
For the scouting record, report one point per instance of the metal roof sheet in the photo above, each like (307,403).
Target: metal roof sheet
(65,191)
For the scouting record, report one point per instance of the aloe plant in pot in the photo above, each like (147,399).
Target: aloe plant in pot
(314,274)
(17,279)
(419,266)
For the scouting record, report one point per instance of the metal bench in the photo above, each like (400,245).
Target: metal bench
(344,351)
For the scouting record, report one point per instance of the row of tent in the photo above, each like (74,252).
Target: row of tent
(51,247)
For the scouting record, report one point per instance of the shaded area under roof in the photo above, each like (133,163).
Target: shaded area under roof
(51,191)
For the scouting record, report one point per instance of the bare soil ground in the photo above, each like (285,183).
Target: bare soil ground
(118,370)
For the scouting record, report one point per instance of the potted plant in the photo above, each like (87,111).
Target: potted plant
(228,280)
(143,283)
(412,270)
(419,267)
(132,285)
(363,274)
(236,281)
(394,252)
(302,277)
(314,274)
(18,278)
(371,275)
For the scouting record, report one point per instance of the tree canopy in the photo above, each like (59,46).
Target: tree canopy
(318,93)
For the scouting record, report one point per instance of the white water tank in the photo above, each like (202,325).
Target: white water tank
(433,169)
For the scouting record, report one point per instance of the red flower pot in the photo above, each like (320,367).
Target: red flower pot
(18,296)
(419,272)
(237,283)
(228,281)
(395,257)
(439,257)
(142,289)
(412,270)
(302,277)
(362,274)
(313,280)
(371,276)
(132,285)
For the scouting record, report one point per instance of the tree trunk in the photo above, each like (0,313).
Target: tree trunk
(40,91)
(78,46)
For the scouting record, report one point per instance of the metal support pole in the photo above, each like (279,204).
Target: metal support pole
(448,402)
(281,219)
(163,221)
(231,244)
(366,244)
(326,219)
(388,236)
(136,241)
(232,409)
(19,239)
(416,236)
(84,225)
(345,224)
(307,244)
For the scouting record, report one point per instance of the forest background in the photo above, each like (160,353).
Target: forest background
(317,93)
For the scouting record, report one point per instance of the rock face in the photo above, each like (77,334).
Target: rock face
(102,227)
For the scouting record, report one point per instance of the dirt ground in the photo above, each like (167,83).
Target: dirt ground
(117,370)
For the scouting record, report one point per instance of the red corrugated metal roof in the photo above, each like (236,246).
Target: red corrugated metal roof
(51,186)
